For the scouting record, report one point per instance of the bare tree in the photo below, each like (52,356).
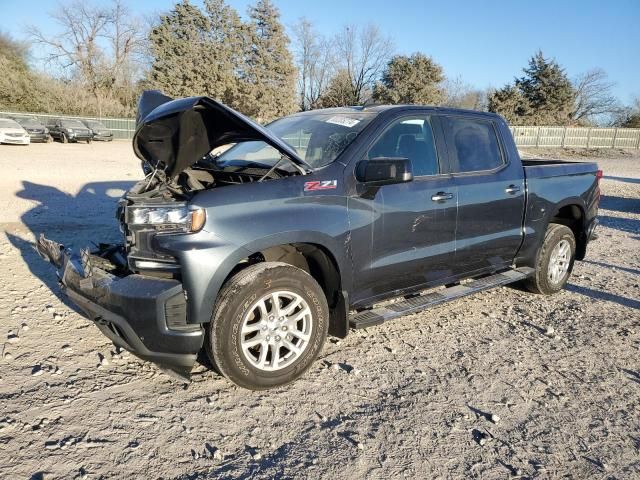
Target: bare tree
(460,94)
(627,116)
(593,96)
(364,53)
(96,45)
(315,63)
(128,46)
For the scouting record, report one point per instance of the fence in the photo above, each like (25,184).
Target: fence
(121,127)
(582,137)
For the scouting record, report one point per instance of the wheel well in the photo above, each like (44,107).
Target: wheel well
(318,262)
(572,216)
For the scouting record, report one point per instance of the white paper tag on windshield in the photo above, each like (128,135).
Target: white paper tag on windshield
(344,121)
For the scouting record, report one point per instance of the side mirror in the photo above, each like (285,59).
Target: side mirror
(384,171)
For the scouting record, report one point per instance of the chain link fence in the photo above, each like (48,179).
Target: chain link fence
(579,137)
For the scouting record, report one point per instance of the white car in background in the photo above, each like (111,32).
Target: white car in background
(12,132)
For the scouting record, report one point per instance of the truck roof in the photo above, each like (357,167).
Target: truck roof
(385,108)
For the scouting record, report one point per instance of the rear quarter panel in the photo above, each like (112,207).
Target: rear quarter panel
(549,188)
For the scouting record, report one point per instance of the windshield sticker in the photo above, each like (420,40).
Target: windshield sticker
(344,121)
(320,185)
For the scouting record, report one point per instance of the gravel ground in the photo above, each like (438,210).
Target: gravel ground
(502,384)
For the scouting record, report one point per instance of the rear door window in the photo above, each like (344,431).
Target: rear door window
(412,138)
(473,144)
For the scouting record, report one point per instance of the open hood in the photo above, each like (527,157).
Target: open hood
(172,135)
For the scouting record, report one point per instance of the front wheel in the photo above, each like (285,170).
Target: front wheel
(554,261)
(269,324)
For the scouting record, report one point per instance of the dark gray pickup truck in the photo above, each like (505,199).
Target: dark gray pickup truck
(257,242)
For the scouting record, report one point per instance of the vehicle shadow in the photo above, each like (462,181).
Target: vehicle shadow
(629,225)
(620,204)
(613,267)
(623,179)
(74,220)
(606,296)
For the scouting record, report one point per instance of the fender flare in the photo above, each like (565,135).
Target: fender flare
(224,270)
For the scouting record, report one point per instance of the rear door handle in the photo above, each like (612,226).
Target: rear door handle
(441,196)
(512,189)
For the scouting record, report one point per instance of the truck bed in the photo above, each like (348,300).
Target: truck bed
(544,168)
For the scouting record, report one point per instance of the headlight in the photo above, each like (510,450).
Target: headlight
(191,220)
(46,130)
(70,130)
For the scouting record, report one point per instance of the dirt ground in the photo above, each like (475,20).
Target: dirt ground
(504,384)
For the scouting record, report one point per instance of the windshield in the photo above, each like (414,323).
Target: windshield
(28,122)
(6,123)
(95,124)
(317,138)
(73,123)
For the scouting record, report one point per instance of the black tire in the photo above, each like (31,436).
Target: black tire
(541,282)
(88,141)
(63,138)
(238,298)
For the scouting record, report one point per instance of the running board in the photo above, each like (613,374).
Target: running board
(376,316)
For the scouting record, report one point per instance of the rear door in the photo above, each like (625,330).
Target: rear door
(403,235)
(491,194)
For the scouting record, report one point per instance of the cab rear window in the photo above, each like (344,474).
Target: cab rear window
(473,144)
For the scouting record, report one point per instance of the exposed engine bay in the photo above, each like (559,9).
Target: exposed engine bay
(204,175)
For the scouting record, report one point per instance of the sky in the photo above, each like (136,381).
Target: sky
(486,43)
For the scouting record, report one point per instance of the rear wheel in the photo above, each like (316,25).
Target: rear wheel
(554,261)
(268,326)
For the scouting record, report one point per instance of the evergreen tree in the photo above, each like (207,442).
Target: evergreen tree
(269,80)
(225,53)
(511,104)
(548,91)
(411,80)
(178,45)
(198,53)
(544,96)
(339,92)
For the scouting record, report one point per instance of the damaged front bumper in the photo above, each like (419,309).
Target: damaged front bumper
(143,314)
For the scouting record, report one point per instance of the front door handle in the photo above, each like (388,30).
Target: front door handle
(512,189)
(441,196)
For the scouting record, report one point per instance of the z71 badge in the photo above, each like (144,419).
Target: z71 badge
(320,185)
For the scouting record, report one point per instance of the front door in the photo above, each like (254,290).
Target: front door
(403,236)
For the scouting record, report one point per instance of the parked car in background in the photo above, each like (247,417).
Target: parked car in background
(37,131)
(100,132)
(69,130)
(12,132)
